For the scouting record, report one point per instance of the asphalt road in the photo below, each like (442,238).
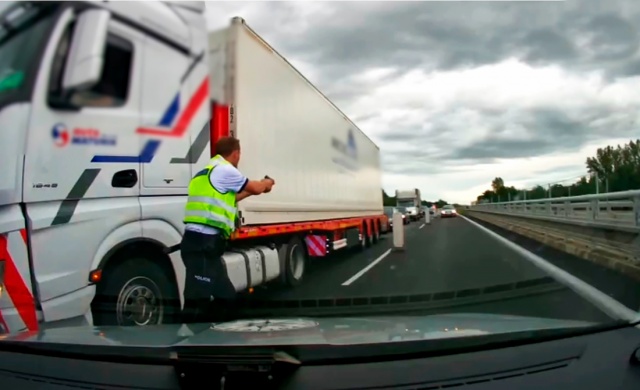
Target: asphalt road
(450,265)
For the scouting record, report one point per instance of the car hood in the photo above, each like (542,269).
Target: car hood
(298,331)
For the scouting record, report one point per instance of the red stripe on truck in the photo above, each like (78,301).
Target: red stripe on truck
(181,126)
(336,226)
(17,289)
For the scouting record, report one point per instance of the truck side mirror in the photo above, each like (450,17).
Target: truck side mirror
(86,54)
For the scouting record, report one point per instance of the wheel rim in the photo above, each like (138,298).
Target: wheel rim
(296,263)
(139,303)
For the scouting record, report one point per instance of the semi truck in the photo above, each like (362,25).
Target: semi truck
(107,111)
(411,200)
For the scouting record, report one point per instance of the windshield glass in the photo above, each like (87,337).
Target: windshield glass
(22,28)
(237,175)
(406,203)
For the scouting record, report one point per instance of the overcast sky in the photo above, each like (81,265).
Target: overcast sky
(456,93)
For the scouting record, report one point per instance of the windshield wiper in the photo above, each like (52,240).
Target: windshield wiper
(245,368)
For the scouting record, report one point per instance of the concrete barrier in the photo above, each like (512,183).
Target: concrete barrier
(398,232)
(614,250)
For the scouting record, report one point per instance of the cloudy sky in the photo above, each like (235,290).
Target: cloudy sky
(456,93)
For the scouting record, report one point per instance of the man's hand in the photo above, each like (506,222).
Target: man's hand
(269,182)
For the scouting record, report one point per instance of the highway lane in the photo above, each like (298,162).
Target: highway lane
(448,262)
(613,283)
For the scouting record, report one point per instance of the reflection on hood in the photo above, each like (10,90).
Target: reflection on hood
(299,331)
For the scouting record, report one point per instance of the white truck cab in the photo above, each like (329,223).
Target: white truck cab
(411,200)
(91,93)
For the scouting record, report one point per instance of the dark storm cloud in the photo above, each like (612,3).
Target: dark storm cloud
(544,131)
(342,40)
(451,35)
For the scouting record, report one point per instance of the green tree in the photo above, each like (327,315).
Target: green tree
(497,184)
(611,169)
(616,169)
(388,200)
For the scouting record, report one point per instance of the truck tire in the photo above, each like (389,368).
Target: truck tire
(135,292)
(366,240)
(293,258)
(376,233)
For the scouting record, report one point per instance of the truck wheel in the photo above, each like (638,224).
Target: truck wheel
(135,292)
(366,240)
(293,257)
(376,234)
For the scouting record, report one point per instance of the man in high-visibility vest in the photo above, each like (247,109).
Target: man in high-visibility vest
(210,218)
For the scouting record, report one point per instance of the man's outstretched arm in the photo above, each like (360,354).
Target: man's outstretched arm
(255,187)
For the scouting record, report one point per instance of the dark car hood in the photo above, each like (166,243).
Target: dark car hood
(298,331)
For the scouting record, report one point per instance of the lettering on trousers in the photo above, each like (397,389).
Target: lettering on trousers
(203,278)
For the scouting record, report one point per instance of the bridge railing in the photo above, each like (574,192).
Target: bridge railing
(612,210)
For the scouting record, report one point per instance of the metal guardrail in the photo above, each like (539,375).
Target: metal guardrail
(612,210)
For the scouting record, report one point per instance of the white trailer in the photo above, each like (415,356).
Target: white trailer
(325,167)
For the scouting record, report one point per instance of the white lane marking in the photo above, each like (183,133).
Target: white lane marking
(604,302)
(421,226)
(367,268)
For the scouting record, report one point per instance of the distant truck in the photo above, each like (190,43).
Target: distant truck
(411,200)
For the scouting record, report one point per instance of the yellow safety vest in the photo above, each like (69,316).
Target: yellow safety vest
(206,205)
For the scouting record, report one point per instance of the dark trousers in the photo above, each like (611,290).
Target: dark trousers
(208,292)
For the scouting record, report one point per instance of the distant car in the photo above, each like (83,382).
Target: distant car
(413,214)
(448,211)
(388,211)
(405,214)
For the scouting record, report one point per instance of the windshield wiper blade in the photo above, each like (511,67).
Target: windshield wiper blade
(234,369)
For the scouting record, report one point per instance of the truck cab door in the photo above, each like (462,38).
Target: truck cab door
(172,102)
(82,163)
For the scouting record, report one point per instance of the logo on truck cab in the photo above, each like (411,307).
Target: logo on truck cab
(62,136)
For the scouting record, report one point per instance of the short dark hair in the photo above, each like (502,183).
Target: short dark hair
(227,145)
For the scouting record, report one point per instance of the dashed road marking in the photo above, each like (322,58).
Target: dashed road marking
(367,268)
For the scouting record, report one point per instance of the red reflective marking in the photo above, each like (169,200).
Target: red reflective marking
(316,245)
(219,125)
(199,97)
(17,289)
(23,233)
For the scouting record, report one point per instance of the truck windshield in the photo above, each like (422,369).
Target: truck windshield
(23,26)
(406,203)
